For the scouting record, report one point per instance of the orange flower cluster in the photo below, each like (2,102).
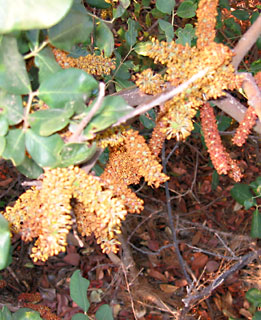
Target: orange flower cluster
(128,162)
(175,119)
(149,82)
(45,214)
(258,79)
(245,127)
(45,312)
(92,64)
(206,14)
(220,158)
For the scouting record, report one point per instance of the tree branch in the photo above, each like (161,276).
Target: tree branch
(246,42)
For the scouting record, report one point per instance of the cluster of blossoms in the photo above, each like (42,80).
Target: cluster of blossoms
(46,214)
(91,63)
(175,119)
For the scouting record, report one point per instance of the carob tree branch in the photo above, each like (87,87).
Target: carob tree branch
(246,42)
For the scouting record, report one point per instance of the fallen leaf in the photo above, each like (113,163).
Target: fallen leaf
(168,288)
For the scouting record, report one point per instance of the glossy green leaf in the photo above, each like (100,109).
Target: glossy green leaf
(241,193)
(255,66)
(2,144)
(104,313)
(240,14)
(75,153)
(46,122)
(30,168)
(33,37)
(11,106)
(256,186)
(254,296)
(186,35)
(80,316)
(43,150)
(224,4)
(13,74)
(223,122)
(76,27)
(4,126)
(100,4)
(46,63)
(256,226)
(132,32)
(125,3)
(104,38)
(15,146)
(118,12)
(26,314)
(187,9)
(165,6)
(233,26)
(142,48)
(28,14)
(147,121)
(167,28)
(257,315)
(78,290)
(111,110)
(66,85)
(5,314)
(5,242)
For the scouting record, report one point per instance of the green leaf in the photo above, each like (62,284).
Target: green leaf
(224,122)
(165,6)
(257,315)
(215,180)
(4,126)
(2,145)
(75,153)
(167,28)
(125,3)
(11,106)
(44,150)
(78,290)
(142,48)
(104,38)
(256,186)
(240,14)
(80,316)
(5,314)
(15,146)
(255,66)
(46,122)
(111,110)
(256,227)
(104,313)
(241,193)
(76,27)
(33,37)
(132,33)
(147,122)
(233,26)
(5,242)
(187,9)
(30,168)
(66,85)
(224,4)
(254,296)
(13,74)
(100,4)
(26,314)
(46,63)
(185,35)
(27,14)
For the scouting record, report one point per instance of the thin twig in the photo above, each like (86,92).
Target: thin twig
(171,223)
(204,293)
(76,135)
(161,98)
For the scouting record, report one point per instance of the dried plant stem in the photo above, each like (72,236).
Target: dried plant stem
(161,98)
(76,137)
